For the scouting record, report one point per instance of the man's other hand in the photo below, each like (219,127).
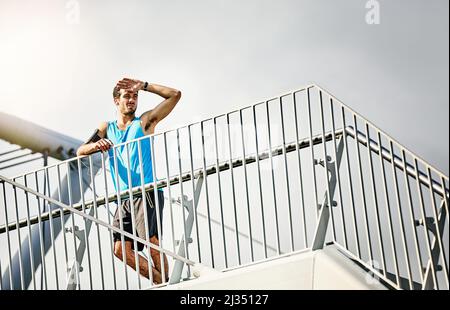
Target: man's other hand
(130,84)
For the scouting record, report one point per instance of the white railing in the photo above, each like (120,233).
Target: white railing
(266,192)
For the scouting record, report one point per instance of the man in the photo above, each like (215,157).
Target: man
(128,127)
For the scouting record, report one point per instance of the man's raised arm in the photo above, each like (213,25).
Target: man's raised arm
(96,142)
(154,116)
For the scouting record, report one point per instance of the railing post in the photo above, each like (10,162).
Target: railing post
(178,266)
(324,211)
(435,249)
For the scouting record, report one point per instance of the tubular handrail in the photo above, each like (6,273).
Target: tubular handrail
(93,219)
(211,169)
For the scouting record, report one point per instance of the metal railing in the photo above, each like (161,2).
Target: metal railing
(267,191)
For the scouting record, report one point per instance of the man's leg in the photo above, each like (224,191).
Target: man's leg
(157,259)
(143,263)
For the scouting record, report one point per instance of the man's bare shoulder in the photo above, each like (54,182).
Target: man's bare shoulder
(102,128)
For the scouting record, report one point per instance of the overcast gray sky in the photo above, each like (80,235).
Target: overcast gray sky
(58,71)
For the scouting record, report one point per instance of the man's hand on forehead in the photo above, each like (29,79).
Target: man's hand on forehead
(130,84)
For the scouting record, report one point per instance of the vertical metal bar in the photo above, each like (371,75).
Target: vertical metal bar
(302,196)
(350,183)
(397,193)
(337,168)
(158,215)
(30,241)
(388,211)
(11,281)
(52,234)
(411,213)
(250,234)
(363,194)
(86,237)
(119,211)
(313,160)
(436,226)
(180,179)
(144,200)
(220,196)
(109,220)
(425,223)
(19,239)
(273,181)
(375,200)
(291,229)
(207,195)
(170,191)
(69,187)
(133,220)
(193,201)
(259,182)
(62,218)
(325,163)
(238,248)
(41,235)
(96,224)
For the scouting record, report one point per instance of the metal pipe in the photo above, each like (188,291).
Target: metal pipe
(313,160)
(325,165)
(109,221)
(411,218)
(350,184)
(207,196)
(400,215)
(86,236)
(363,195)
(220,198)
(193,200)
(277,232)
(186,248)
(98,228)
(302,196)
(133,219)
(375,201)
(19,242)
(120,214)
(425,225)
(158,215)
(337,173)
(238,248)
(30,246)
(144,201)
(291,229)
(388,213)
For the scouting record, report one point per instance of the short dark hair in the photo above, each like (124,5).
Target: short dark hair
(116,92)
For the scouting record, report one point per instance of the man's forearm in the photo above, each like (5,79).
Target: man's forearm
(163,91)
(86,149)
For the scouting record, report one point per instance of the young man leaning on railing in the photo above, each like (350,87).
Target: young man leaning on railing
(127,127)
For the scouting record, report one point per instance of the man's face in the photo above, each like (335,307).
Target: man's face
(127,102)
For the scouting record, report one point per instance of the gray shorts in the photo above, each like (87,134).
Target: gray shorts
(139,218)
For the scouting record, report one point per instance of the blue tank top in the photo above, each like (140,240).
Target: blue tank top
(117,136)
